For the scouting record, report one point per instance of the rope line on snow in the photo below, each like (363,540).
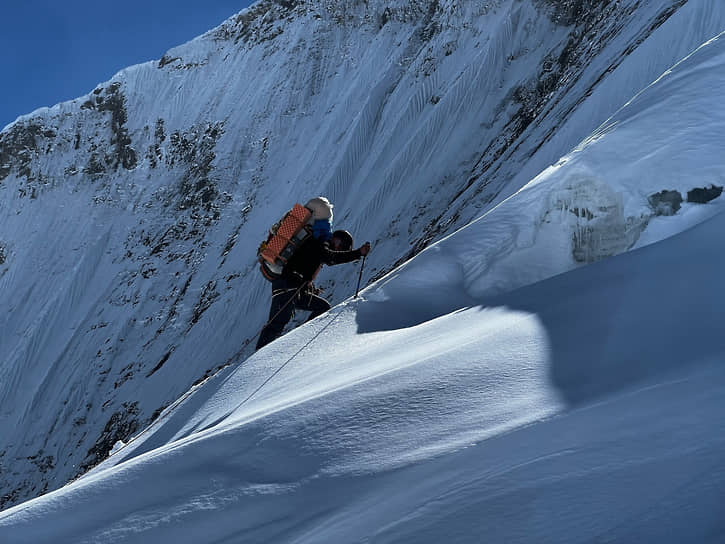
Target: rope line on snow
(228,362)
(265,382)
(231,359)
(166,411)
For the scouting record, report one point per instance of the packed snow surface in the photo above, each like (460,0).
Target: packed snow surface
(501,386)
(130,217)
(416,434)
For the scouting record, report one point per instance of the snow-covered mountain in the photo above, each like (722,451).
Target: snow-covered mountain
(131,216)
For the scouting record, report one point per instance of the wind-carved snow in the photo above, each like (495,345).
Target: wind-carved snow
(594,203)
(131,216)
(483,384)
(580,407)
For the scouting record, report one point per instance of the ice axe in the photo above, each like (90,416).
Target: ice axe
(359,278)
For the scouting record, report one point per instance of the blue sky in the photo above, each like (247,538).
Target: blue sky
(55,51)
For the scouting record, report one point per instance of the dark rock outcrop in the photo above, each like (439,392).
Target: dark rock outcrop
(665,202)
(704,195)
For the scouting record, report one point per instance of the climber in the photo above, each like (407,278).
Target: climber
(295,288)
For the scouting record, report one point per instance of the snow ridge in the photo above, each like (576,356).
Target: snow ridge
(130,216)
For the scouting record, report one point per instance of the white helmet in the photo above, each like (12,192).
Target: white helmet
(320,207)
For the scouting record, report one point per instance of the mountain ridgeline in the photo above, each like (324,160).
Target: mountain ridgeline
(130,217)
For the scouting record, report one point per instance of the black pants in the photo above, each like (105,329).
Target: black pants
(285,298)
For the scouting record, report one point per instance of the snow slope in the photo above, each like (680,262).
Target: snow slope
(596,201)
(382,442)
(473,393)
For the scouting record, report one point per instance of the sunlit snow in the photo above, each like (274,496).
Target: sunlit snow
(550,370)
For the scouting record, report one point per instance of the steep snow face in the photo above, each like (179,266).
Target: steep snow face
(585,407)
(400,437)
(652,170)
(129,218)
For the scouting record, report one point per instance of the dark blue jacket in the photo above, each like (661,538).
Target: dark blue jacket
(303,265)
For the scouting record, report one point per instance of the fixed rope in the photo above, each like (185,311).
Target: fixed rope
(314,337)
(166,411)
(269,378)
(231,359)
(265,382)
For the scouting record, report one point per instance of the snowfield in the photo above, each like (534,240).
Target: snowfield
(550,372)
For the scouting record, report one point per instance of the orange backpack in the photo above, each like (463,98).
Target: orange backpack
(285,236)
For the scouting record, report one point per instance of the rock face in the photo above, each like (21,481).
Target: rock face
(704,195)
(666,202)
(130,217)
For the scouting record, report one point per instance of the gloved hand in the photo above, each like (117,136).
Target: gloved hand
(364,249)
(312,289)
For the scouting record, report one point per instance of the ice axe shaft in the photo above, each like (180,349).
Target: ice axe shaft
(359,278)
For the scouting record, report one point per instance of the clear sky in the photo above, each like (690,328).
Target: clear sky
(53,51)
